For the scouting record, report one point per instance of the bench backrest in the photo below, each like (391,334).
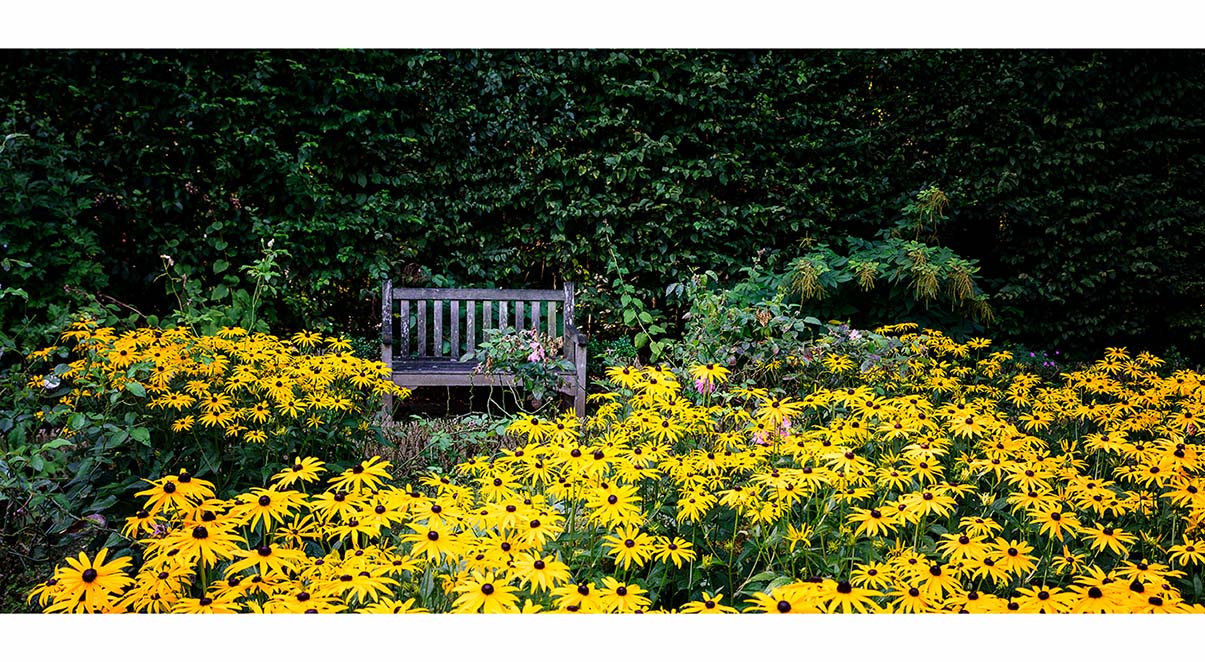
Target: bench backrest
(432,323)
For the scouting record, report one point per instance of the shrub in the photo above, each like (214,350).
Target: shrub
(148,400)
(533,358)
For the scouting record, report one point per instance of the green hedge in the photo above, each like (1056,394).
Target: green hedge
(1073,179)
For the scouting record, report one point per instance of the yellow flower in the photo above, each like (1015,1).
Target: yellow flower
(485,593)
(89,585)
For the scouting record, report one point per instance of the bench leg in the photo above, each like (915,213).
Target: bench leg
(387,407)
(579,393)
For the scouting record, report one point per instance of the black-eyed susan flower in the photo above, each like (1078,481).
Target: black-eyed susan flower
(433,541)
(176,492)
(630,546)
(909,600)
(708,604)
(620,597)
(206,604)
(89,585)
(485,593)
(614,505)
(387,605)
(872,521)
(1189,552)
(204,542)
(1102,538)
(674,550)
(305,470)
(579,598)
(843,597)
(267,506)
(266,559)
(540,572)
(1044,600)
(367,475)
(1013,556)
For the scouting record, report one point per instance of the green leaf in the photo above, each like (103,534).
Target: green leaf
(641,340)
(141,435)
(77,421)
(629,316)
(763,576)
(136,388)
(101,505)
(220,265)
(646,317)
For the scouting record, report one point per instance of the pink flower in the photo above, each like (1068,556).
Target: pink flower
(537,353)
(703,386)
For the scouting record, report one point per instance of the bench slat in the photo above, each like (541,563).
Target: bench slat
(487,317)
(405,329)
(551,319)
(519,316)
(470,328)
(437,349)
(455,339)
(476,294)
(422,328)
(501,314)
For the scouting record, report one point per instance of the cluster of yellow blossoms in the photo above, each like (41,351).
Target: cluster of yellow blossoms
(235,384)
(960,484)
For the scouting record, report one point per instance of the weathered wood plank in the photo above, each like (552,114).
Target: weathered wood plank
(567,320)
(437,324)
(386,314)
(470,331)
(476,294)
(455,338)
(551,319)
(501,314)
(404,318)
(519,310)
(422,328)
(487,315)
(387,341)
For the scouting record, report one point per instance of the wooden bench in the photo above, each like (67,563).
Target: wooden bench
(425,331)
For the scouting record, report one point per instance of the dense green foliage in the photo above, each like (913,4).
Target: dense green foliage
(1072,183)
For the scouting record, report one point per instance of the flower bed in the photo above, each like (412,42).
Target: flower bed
(948,479)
